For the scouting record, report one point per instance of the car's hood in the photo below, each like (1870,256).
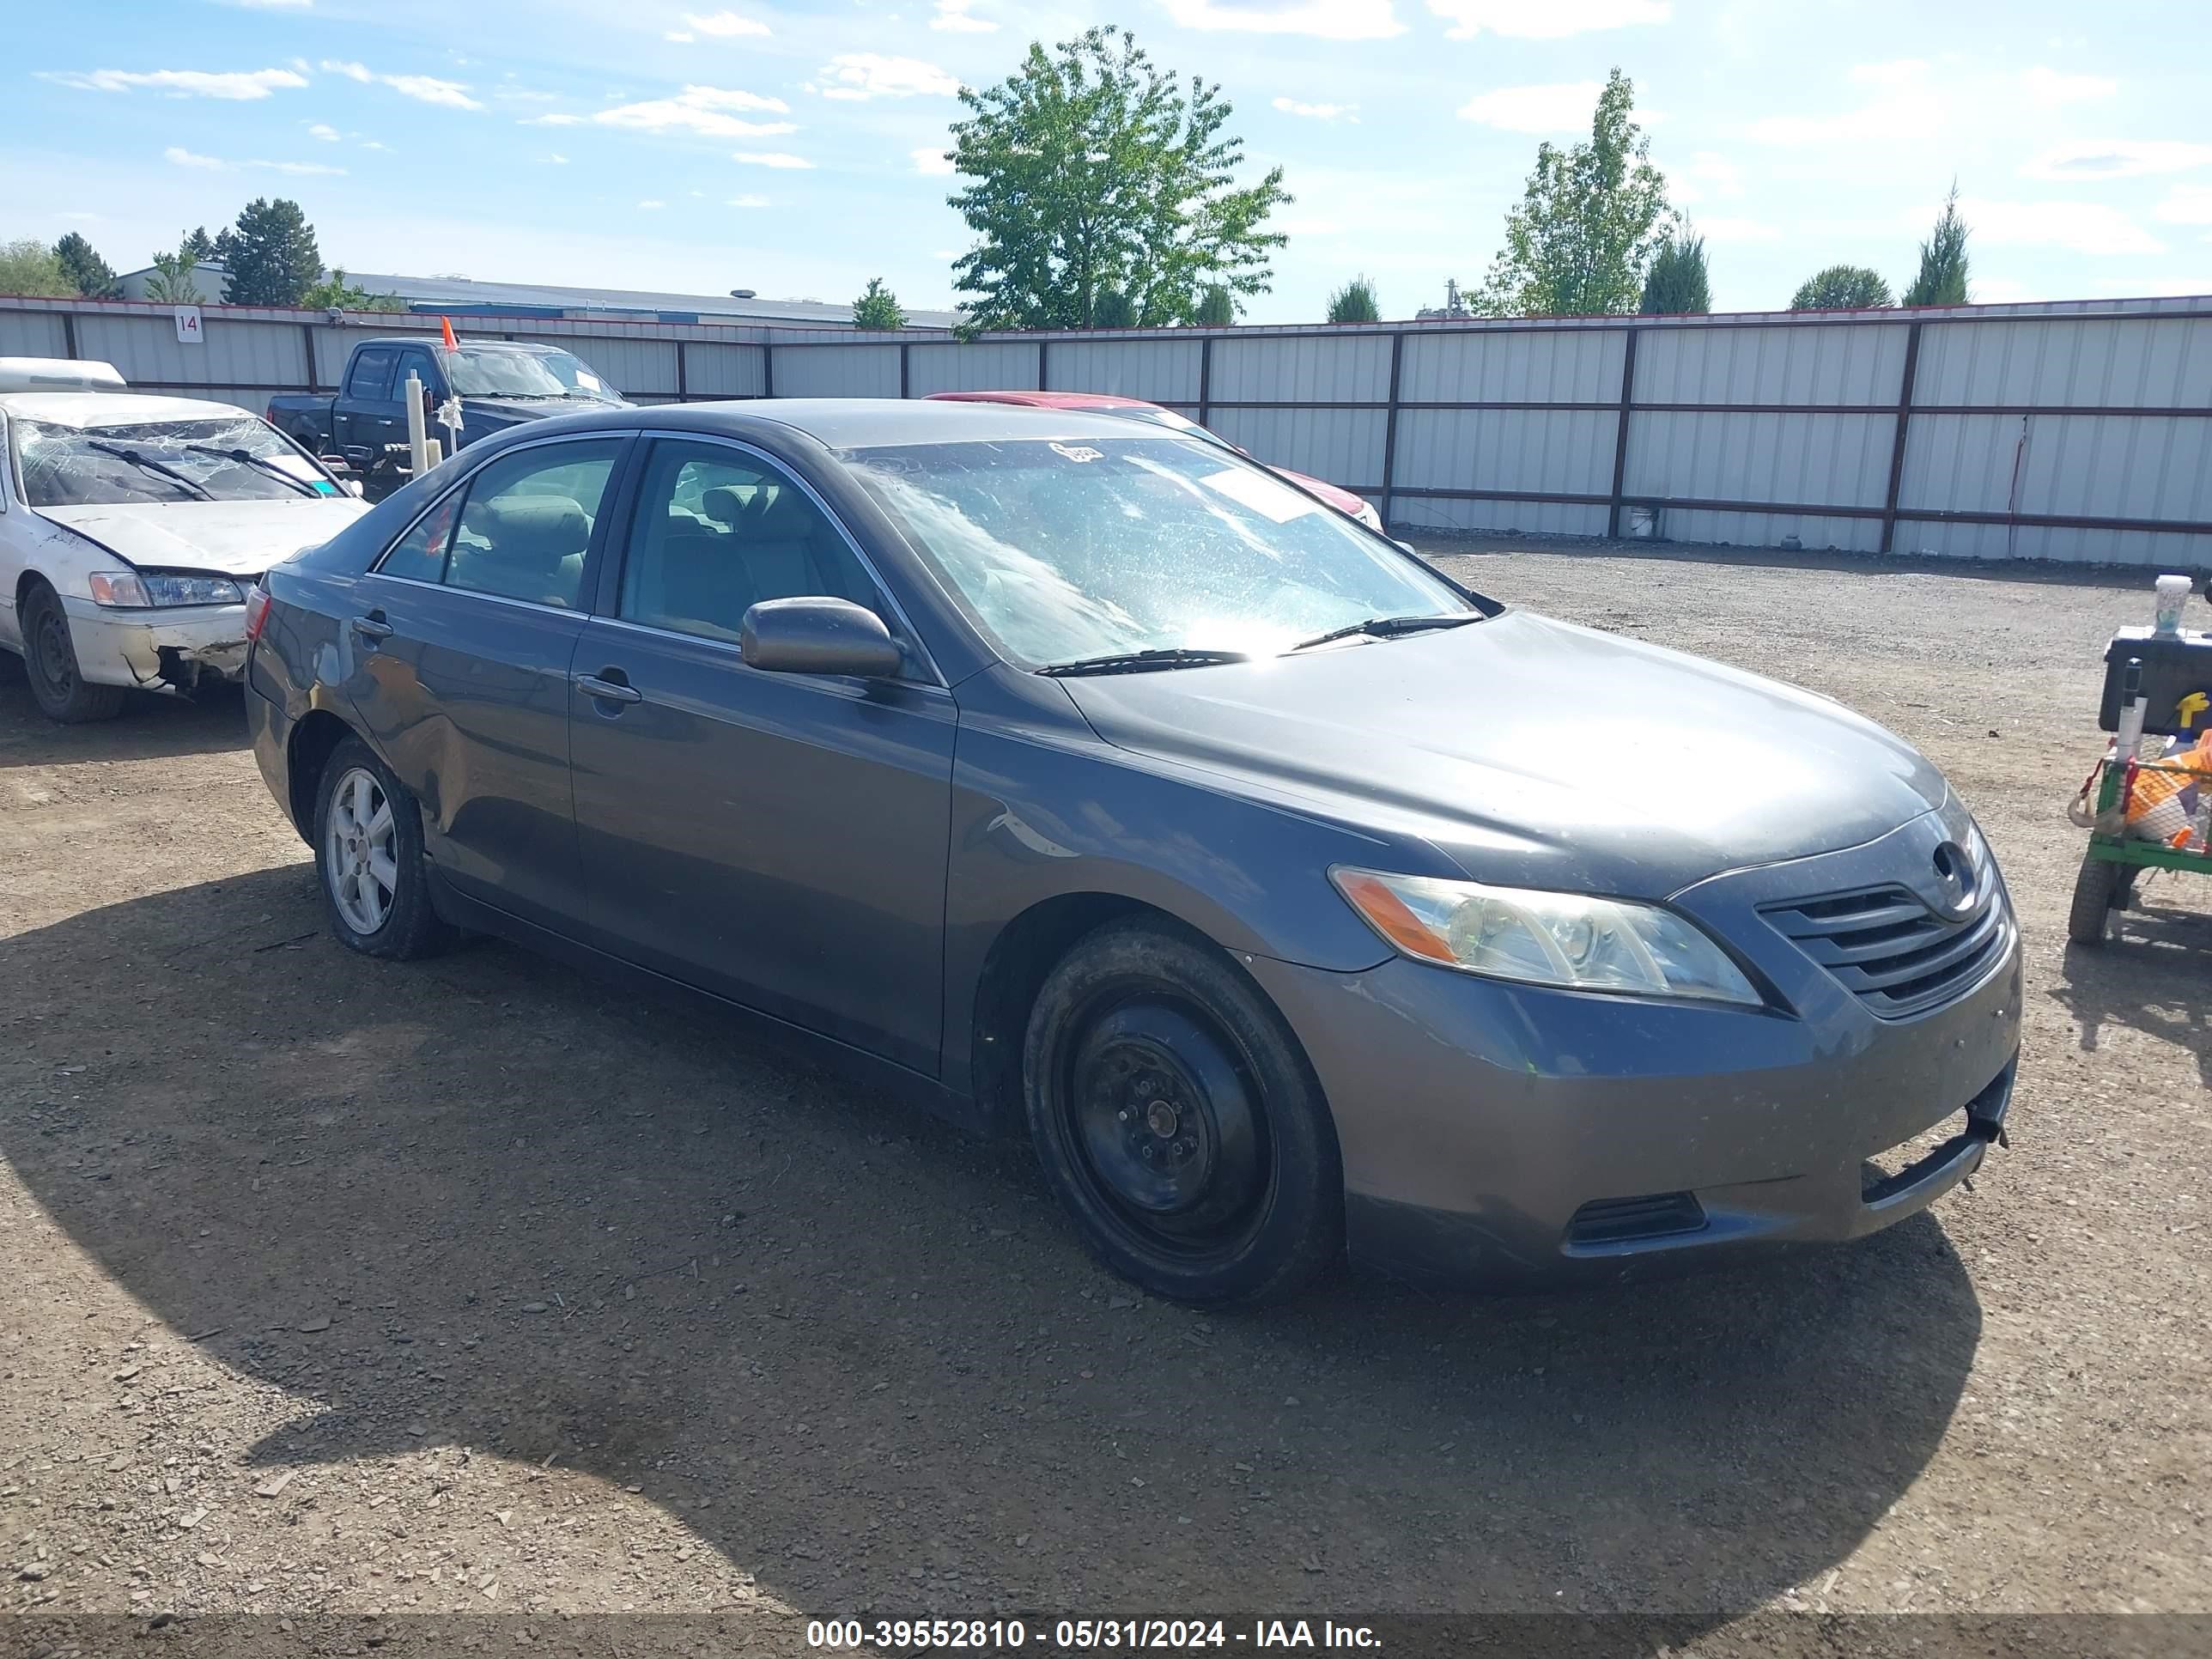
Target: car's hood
(1534,753)
(238,538)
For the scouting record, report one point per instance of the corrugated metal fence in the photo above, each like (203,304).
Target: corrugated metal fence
(2080,431)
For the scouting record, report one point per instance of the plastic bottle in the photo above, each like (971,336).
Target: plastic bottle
(2127,739)
(2172,594)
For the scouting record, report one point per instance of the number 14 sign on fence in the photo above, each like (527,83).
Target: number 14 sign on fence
(188,325)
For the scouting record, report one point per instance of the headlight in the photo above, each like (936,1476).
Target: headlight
(1571,940)
(136,591)
(1368,516)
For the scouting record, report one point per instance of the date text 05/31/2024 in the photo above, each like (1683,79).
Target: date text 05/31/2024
(902,1635)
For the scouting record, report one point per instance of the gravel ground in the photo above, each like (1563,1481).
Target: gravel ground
(333,1286)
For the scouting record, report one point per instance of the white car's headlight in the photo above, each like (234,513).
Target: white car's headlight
(1570,940)
(135,592)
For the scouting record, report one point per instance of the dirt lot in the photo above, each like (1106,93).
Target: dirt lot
(327,1286)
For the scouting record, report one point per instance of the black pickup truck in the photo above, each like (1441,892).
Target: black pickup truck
(498,383)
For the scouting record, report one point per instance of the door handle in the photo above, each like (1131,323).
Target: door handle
(372,627)
(607,690)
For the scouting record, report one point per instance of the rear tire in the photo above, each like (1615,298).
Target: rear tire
(2098,891)
(369,861)
(58,684)
(1178,1122)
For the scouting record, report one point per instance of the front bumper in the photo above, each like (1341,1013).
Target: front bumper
(1495,1132)
(159,649)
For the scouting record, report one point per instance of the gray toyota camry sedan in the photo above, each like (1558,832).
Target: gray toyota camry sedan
(1095,782)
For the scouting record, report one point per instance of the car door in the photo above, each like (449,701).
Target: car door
(363,417)
(15,539)
(457,659)
(779,839)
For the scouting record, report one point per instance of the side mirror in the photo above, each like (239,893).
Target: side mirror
(819,636)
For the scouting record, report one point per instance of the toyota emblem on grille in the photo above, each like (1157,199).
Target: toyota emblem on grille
(1955,878)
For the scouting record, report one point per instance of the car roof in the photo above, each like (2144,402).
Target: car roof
(865,422)
(1044,399)
(102,409)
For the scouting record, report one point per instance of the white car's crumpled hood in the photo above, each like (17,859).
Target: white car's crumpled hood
(238,538)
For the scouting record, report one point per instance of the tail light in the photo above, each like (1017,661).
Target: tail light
(256,612)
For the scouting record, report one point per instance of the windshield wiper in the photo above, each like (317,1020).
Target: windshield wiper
(1142,662)
(1388,628)
(147,464)
(247,458)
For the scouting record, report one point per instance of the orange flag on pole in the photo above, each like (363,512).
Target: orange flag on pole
(446,324)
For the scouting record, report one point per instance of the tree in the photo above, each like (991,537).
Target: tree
(198,246)
(29,267)
(1096,171)
(1586,230)
(1676,285)
(1217,307)
(174,281)
(335,292)
(1355,302)
(1842,288)
(269,257)
(84,267)
(878,307)
(1114,309)
(1942,278)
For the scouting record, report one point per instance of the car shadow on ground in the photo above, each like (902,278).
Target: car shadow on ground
(2154,973)
(153,725)
(858,1352)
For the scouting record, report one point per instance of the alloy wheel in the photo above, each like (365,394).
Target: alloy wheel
(359,851)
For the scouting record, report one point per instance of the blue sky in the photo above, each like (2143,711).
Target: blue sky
(792,147)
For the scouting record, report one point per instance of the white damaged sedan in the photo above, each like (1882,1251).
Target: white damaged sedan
(132,527)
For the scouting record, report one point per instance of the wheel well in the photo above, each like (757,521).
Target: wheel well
(317,733)
(1026,951)
(29,580)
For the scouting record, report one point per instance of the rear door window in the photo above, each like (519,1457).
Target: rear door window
(520,529)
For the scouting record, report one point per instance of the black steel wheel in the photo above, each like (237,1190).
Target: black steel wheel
(1178,1120)
(58,684)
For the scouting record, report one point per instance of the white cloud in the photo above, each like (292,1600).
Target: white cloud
(1550,20)
(1318,112)
(351,72)
(2186,204)
(953,16)
(1896,72)
(557,159)
(1707,170)
(930,158)
(1324,20)
(749,200)
(680,36)
(769,158)
(650,206)
(2117,158)
(2051,86)
(861,75)
(1565,107)
(1723,228)
(2080,227)
(725,25)
(2004,291)
(237,85)
(557,119)
(1905,107)
(429,89)
(324,132)
(178,156)
(704,110)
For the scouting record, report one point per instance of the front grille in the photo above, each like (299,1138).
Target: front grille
(1621,1220)
(1891,952)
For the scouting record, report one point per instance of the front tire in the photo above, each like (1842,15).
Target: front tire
(58,684)
(368,860)
(1178,1122)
